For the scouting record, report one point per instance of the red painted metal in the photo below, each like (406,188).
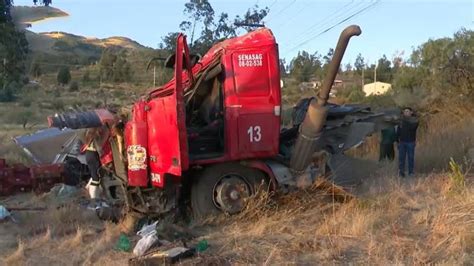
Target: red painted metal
(167,136)
(252,98)
(252,103)
(136,140)
(19,178)
(44,177)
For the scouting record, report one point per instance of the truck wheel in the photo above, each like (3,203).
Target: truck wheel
(224,188)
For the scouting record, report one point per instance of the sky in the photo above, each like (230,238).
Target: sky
(389,27)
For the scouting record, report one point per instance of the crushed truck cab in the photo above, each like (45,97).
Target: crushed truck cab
(225,108)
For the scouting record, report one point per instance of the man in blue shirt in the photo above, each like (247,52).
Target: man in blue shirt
(406,133)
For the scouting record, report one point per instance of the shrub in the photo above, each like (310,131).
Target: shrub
(74,86)
(456,176)
(64,76)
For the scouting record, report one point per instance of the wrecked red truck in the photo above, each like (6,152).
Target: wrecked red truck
(212,135)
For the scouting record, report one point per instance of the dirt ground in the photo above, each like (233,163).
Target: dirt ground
(425,219)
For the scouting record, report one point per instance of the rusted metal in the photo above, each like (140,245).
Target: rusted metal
(19,178)
(315,118)
(333,68)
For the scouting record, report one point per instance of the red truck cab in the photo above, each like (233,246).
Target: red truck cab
(224,108)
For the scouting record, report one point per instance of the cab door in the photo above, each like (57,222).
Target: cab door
(253,102)
(166,118)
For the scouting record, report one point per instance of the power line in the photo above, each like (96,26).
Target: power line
(326,20)
(292,18)
(281,10)
(333,26)
(274,2)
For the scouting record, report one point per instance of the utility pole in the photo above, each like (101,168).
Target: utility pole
(154,75)
(375,76)
(363,82)
(4,73)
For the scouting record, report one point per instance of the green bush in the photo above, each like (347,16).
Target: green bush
(64,76)
(7,94)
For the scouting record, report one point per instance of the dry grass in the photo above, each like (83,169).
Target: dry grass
(65,236)
(397,222)
(441,136)
(424,220)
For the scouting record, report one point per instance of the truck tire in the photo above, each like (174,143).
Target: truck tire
(223,188)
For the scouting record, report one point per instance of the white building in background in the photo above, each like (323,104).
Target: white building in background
(377,88)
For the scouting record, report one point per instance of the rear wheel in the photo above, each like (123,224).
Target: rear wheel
(224,188)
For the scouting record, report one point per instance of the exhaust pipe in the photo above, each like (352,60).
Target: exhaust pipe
(313,123)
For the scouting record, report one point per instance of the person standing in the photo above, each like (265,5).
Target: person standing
(406,133)
(387,141)
(94,140)
(93,162)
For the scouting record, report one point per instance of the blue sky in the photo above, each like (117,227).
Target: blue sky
(388,27)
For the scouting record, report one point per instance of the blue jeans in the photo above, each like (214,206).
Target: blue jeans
(406,149)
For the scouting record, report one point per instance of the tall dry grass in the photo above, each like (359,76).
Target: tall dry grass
(398,221)
(442,135)
(66,236)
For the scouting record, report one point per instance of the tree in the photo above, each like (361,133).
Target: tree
(348,67)
(305,65)
(64,76)
(327,60)
(114,66)
(283,67)
(43,2)
(205,30)
(252,16)
(384,70)
(13,50)
(5,16)
(444,66)
(359,64)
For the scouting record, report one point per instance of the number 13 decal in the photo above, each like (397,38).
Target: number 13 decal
(255,133)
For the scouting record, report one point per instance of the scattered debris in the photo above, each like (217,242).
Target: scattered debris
(4,213)
(26,208)
(62,191)
(123,244)
(202,246)
(169,256)
(147,229)
(109,214)
(145,243)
